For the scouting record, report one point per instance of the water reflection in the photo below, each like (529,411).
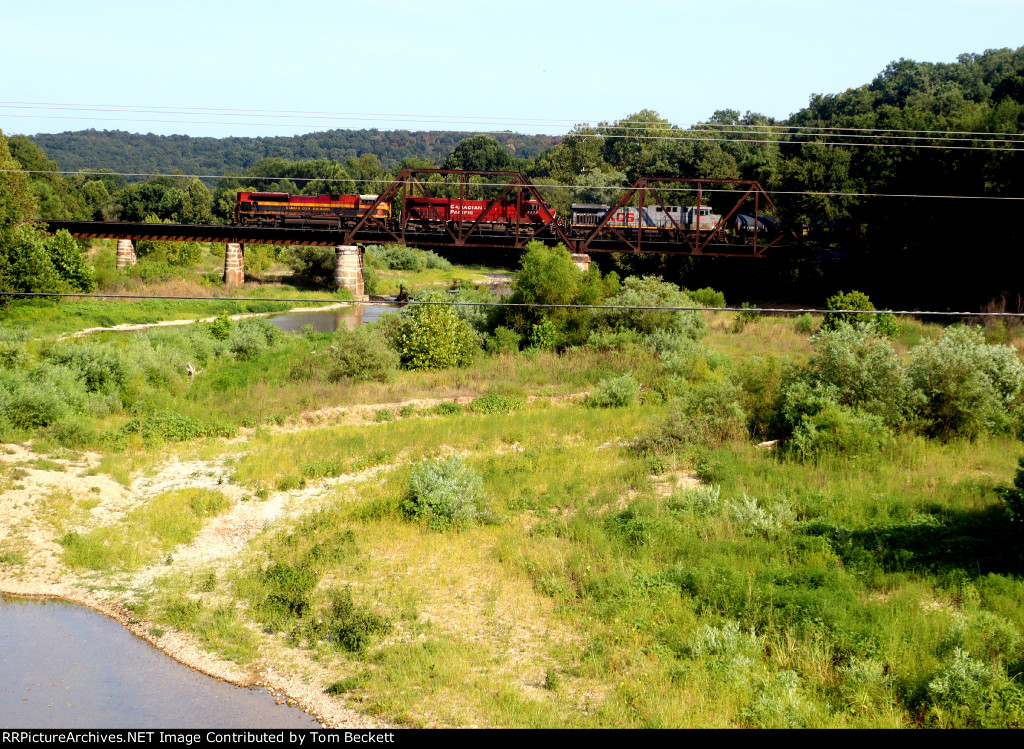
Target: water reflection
(66,666)
(329,321)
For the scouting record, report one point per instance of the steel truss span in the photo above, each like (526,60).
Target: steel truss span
(438,208)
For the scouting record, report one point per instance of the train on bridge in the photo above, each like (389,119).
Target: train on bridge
(277,209)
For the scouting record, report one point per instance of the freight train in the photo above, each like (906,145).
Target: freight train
(429,213)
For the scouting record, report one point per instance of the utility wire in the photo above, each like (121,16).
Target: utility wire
(451,119)
(682,137)
(750,310)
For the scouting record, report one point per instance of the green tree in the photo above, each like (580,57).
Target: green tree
(480,153)
(70,262)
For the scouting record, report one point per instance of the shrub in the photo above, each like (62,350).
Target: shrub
(396,257)
(362,355)
(432,336)
(748,314)
(70,262)
(503,341)
(220,328)
(448,408)
(312,264)
(804,324)
(351,628)
(285,595)
(544,335)
(884,325)
(969,386)
(497,403)
(251,338)
(615,392)
(651,291)
(707,297)
(707,414)
(754,519)
(700,501)
(819,425)
(864,372)
(444,494)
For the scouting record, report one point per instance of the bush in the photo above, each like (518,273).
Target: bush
(350,628)
(433,336)
(819,425)
(444,494)
(969,386)
(804,324)
(251,338)
(544,336)
(503,341)
(615,392)
(496,403)
(884,325)
(707,415)
(312,264)
(707,297)
(864,372)
(448,408)
(747,315)
(70,262)
(361,355)
(651,291)
(396,257)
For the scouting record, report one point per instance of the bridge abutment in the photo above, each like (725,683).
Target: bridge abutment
(125,253)
(348,270)
(582,261)
(234,264)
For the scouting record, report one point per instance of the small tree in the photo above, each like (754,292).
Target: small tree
(433,336)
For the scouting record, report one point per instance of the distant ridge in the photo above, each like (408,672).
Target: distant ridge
(121,151)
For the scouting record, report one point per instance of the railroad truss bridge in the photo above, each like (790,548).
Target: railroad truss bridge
(739,202)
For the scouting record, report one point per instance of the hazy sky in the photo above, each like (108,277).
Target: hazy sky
(531,66)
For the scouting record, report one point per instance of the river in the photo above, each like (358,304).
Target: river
(66,666)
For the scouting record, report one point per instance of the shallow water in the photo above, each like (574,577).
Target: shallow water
(328,321)
(66,666)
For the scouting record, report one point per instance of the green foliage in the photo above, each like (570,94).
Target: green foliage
(252,337)
(446,494)
(548,275)
(544,336)
(168,426)
(315,265)
(864,372)
(287,597)
(221,327)
(615,392)
(447,408)
(883,325)
(748,314)
(804,324)
(820,426)
(70,262)
(433,336)
(969,386)
(503,341)
(348,627)
(707,414)
(401,257)
(176,254)
(707,297)
(1013,496)
(497,403)
(361,355)
(651,291)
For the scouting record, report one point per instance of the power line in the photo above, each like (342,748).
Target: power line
(681,137)
(450,119)
(751,310)
(539,186)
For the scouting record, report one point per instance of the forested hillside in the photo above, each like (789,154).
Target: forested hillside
(136,153)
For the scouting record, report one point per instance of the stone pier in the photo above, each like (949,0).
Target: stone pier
(234,264)
(348,270)
(582,261)
(125,253)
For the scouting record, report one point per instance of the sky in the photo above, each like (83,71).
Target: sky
(262,67)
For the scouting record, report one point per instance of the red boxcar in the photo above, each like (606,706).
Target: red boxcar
(435,210)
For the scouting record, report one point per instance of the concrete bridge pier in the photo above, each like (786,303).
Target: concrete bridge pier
(125,253)
(234,264)
(348,270)
(582,261)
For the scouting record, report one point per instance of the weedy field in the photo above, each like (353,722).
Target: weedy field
(601,520)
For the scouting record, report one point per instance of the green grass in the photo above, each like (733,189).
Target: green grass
(146,532)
